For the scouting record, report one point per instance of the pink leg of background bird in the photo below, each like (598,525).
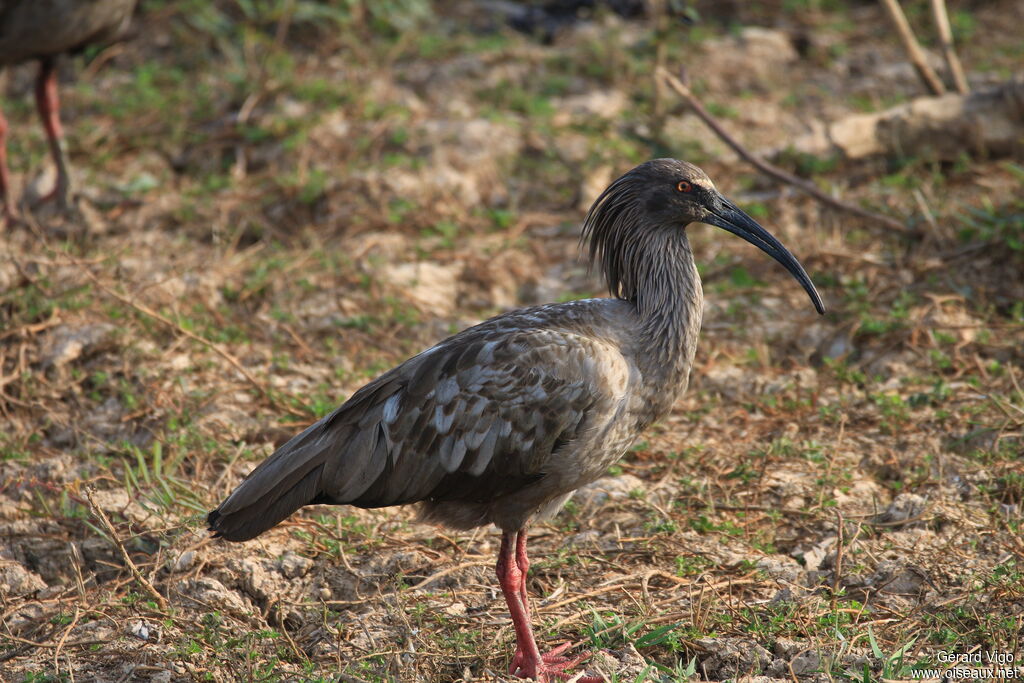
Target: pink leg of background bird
(5,177)
(49,111)
(528,662)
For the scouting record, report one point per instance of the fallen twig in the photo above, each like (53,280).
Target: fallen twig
(445,572)
(837,569)
(102,517)
(63,639)
(34,643)
(956,71)
(770,169)
(216,348)
(899,21)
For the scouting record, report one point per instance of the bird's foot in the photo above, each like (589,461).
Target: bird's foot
(552,657)
(62,213)
(60,195)
(553,666)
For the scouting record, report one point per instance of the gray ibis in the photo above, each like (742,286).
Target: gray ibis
(502,422)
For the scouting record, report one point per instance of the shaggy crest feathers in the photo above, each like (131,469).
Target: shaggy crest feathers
(608,226)
(620,228)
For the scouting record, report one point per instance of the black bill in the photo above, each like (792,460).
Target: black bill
(729,217)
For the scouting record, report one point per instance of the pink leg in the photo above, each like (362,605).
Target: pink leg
(49,111)
(511,579)
(524,567)
(528,661)
(5,177)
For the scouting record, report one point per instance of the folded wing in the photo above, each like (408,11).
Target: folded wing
(474,418)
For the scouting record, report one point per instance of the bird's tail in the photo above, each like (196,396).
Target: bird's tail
(284,482)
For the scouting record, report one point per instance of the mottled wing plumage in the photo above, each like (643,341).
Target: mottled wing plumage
(477,417)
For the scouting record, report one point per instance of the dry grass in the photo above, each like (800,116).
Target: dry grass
(835,498)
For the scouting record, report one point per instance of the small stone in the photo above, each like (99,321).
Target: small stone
(608,488)
(780,568)
(66,343)
(140,630)
(807,662)
(456,609)
(731,655)
(786,647)
(294,566)
(904,507)
(430,287)
(896,578)
(624,665)
(605,104)
(15,580)
(584,538)
(184,561)
(211,593)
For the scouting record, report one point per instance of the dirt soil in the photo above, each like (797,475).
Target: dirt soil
(280,200)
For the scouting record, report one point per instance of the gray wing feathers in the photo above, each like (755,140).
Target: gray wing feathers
(281,470)
(493,409)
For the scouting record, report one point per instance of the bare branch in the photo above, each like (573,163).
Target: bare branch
(109,528)
(770,169)
(956,71)
(913,48)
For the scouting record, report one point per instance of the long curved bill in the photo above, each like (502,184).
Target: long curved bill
(729,217)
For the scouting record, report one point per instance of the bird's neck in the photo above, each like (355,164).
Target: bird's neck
(670,301)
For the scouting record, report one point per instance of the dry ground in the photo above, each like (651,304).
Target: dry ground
(283,199)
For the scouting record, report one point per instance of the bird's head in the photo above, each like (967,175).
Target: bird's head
(667,195)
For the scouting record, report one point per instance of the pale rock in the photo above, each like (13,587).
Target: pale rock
(805,378)
(608,489)
(462,161)
(211,593)
(143,630)
(118,502)
(572,147)
(816,557)
(430,287)
(896,577)
(731,656)
(605,104)
(787,648)
(67,343)
(862,491)
(806,663)
(294,566)
(184,561)
(952,320)
(496,281)
(780,568)
(619,665)
(16,581)
(456,609)
(746,60)
(584,538)
(905,506)
(732,381)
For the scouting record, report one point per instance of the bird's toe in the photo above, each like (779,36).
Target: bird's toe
(553,666)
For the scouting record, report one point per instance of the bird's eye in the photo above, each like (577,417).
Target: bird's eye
(684,186)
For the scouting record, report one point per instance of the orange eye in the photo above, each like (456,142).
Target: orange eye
(684,186)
